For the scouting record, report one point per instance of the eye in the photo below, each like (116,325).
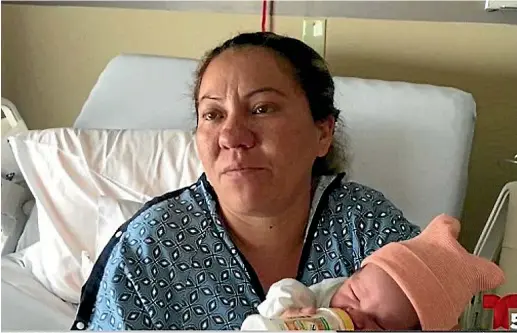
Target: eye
(263,108)
(352,291)
(211,115)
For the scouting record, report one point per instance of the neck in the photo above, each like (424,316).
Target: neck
(279,231)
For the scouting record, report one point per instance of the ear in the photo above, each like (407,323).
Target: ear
(325,134)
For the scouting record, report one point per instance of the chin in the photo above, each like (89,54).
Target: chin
(248,200)
(248,183)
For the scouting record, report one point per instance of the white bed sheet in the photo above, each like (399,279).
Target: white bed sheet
(26,304)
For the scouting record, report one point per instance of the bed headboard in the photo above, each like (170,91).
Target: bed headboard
(410,141)
(138,91)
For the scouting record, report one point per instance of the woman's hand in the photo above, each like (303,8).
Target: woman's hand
(362,321)
(297,312)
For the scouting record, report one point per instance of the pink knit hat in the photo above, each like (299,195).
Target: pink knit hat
(437,274)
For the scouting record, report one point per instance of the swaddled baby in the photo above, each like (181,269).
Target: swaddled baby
(422,283)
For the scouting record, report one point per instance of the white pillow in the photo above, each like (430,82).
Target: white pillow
(68,170)
(30,234)
(112,214)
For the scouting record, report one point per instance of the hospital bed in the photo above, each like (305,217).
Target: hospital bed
(410,141)
(16,198)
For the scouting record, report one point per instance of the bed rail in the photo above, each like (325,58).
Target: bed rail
(11,118)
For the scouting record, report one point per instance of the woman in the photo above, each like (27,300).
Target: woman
(270,205)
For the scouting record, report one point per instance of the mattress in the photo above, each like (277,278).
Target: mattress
(26,304)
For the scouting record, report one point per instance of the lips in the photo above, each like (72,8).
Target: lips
(241,169)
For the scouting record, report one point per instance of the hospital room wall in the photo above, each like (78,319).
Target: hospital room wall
(51,57)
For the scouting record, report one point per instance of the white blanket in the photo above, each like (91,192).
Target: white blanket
(26,304)
(290,293)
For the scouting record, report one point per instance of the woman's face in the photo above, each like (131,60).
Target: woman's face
(256,137)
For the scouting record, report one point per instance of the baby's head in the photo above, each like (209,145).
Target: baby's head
(422,283)
(375,301)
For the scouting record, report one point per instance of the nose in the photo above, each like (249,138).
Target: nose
(236,134)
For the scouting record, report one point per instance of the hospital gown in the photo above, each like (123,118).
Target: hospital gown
(174,266)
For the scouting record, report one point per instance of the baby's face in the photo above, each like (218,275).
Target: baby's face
(375,301)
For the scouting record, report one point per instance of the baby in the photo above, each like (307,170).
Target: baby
(420,284)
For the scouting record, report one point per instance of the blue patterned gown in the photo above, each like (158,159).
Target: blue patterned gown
(173,265)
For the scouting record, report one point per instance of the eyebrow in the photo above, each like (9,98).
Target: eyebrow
(264,89)
(249,94)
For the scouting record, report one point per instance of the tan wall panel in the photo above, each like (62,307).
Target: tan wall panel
(478,58)
(53,55)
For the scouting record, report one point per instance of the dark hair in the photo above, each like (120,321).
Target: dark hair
(311,72)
